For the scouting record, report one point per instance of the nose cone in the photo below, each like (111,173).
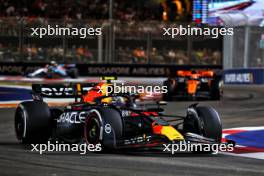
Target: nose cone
(171,133)
(168,131)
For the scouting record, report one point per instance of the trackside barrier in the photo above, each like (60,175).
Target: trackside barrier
(244,76)
(128,70)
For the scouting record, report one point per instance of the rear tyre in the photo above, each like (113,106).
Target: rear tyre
(216,90)
(170,90)
(73,73)
(33,122)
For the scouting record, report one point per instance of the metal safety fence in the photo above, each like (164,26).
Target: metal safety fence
(121,42)
(245,49)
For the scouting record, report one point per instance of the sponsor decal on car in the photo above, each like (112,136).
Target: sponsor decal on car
(108,128)
(59,91)
(73,117)
(125,113)
(137,140)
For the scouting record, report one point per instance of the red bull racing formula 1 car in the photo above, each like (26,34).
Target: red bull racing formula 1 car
(115,121)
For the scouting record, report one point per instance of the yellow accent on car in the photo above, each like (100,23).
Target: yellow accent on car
(108,78)
(106,100)
(79,89)
(171,133)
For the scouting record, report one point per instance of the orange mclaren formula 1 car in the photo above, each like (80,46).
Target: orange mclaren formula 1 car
(194,84)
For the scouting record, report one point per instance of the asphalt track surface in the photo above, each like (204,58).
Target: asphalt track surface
(240,107)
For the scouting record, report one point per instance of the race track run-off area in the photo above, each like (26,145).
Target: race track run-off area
(241,111)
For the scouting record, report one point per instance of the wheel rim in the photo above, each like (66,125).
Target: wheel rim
(19,124)
(92,130)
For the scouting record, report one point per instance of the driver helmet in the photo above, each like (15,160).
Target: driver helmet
(53,63)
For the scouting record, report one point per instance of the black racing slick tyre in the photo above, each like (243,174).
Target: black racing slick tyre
(207,124)
(211,126)
(73,73)
(170,90)
(216,89)
(33,122)
(103,126)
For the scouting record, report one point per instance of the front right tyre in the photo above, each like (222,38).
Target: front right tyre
(103,126)
(207,124)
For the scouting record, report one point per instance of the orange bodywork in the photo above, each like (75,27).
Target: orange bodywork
(95,92)
(197,74)
(193,82)
(91,95)
(192,86)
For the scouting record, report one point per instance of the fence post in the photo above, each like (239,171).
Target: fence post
(228,51)
(100,49)
(246,49)
(149,46)
(20,39)
(64,44)
(189,47)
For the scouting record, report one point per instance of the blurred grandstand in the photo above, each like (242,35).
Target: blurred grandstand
(137,29)
(98,9)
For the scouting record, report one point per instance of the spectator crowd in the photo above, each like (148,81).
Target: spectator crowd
(133,20)
(83,54)
(82,9)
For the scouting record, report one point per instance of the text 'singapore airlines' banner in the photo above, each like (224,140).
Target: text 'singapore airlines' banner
(244,76)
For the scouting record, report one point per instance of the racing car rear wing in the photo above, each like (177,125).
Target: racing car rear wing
(61,90)
(72,90)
